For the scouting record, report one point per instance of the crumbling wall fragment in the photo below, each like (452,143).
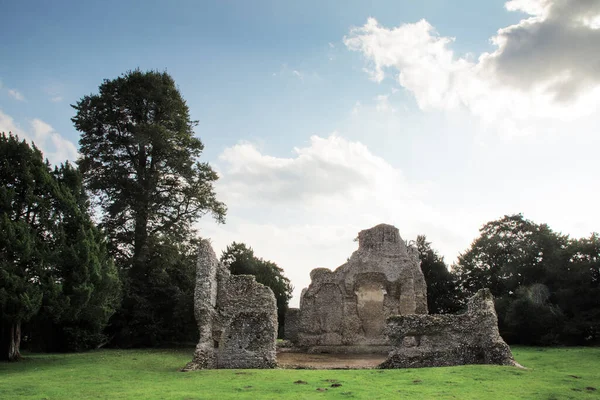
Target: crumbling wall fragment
(249,324)
(446,340)
(236,316)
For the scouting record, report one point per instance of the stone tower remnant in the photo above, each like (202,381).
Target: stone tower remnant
(236,316)
(446,340)
(346,310)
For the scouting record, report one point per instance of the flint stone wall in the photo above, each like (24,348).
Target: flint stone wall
(236,316)
(345,310)
(446,340)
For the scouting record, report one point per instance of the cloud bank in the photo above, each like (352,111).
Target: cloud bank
(547,66)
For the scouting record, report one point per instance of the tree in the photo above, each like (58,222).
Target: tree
(139,158)
(53,260)
(241,261)
(25,207)
(509,253)
(577,291)
(75,312)
(442,293)
(546,285)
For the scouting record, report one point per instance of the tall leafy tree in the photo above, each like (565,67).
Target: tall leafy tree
(442,292)
(509,253)
(140,160)
(241,261)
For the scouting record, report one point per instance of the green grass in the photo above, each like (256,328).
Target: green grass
(560,373)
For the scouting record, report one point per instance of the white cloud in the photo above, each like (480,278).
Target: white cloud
(531,7)
(327,170)
(54,146)
(16,94)
(543,68)
(56,99)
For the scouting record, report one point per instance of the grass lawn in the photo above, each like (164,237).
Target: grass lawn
(556,373)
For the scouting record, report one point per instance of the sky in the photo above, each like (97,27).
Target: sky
(324,118)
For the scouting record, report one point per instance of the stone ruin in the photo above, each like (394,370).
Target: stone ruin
(445,340)
(376,302)
(236,316)
(345,310)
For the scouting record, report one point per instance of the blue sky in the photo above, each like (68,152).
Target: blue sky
(435,116)
(222,55)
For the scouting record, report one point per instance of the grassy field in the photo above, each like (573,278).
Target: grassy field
(561,373)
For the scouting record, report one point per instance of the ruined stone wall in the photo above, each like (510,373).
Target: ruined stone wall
(205,302)
(348,307)
(445,340)
(248,324)
(236,316)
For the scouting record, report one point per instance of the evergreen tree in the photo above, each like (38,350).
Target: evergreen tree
(73,315)
(53,264)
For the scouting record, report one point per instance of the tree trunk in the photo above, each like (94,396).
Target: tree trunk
(14,341)
(140,246)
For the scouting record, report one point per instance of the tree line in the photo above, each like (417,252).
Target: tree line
(102,252)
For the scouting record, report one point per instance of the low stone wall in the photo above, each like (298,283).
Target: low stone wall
(445,340)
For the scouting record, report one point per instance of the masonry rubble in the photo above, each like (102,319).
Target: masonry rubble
(446,340)
(236,317)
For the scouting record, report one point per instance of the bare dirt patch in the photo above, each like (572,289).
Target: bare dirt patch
(329,361)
